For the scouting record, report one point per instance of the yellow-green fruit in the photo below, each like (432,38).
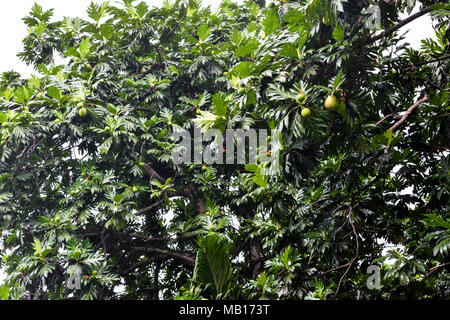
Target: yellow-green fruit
(341,108)
(141,164)
(331,103)
(82,112)
(241,90)
(107,128)
(306,112)
(169,123)
(204,167)
(80,105)
(134,189)
(301,97)
(94,273)
(198,111)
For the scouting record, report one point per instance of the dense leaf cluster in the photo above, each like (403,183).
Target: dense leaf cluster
(88,186)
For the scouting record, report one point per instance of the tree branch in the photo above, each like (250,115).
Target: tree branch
(432,61)
(186,258)
(173,29)
(350,263)
(191,192)
(396,27)
(408,112)
(434,85)
(255,257)
(433,269)
(134,267)
(395,115)
(152,173)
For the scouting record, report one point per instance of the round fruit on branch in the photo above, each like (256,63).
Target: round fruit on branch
(301,97)
(82,112)
(331,103)
(341,108)
(306,112)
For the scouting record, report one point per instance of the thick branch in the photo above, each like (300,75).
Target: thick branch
(402,23)
(408,112)
(255,257)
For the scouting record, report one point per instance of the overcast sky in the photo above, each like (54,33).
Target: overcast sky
(13,30)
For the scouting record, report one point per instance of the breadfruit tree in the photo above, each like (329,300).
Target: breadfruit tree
(89,187)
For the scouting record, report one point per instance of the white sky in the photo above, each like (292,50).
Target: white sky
(13,30)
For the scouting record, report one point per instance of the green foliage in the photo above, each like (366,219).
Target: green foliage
(213,265)
(99,195)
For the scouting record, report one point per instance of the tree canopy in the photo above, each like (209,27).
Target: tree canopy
(88,186)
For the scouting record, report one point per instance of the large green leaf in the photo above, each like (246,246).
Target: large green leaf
(213,265)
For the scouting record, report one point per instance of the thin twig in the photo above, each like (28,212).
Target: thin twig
(433,269)
(408,112)
(432,84)
(350,263)
(427,62)
(395,115)
(143,210)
